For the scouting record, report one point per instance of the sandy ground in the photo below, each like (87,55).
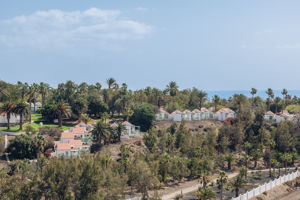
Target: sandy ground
(295,195)
(193,126)
(186,188)
(282,192)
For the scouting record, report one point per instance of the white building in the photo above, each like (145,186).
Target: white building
(196,114)
(176,116)
(130,130)
(14,118)
(162,115)
(187,115)
(206,113)
(70,149)
(273,118)
(224,114)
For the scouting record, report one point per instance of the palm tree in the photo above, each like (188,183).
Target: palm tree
(277,102)
(253,92)
(125,153)
(172,88)
(294,156)
(221,181)
(202,98)
(164,165)
(216,100)
(270,93)
(110,82)
(44,87)
(246,162)
(22,109)
(100,130)
(285,158)
(104,117)
(247,146)
(256,154)
(119,129)
(33,94)
(85,118)
(284,93)
(128,113)
(8,109)
(39,143)
(106,160)
(229,158)
(205,194)
(62,110)
(238,183)
(98,87)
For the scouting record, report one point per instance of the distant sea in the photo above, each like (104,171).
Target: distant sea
(262,93)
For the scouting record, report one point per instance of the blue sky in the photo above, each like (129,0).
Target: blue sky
(211,45)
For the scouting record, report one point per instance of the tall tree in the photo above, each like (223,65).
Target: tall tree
(62,110)
(221,181)
(110,82)
(172,88)
(237,183)
(253,92)
(43,89)
(21,109)
(8,109)
(270,93)
(100,131)
(229,158)
(205,193)
(216,100)
(202,98)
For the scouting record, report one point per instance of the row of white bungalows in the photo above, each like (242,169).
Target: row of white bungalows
(282,116)
(73,141)
(196,114)
(130,130)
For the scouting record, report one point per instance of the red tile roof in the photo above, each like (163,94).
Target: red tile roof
(67,135)
(78,130)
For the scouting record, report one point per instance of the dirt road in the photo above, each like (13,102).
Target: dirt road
(295,195)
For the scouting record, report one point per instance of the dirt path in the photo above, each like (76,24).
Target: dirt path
(191,186)
(188,189)
(295,195)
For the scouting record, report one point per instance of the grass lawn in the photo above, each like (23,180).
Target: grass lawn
(37,119)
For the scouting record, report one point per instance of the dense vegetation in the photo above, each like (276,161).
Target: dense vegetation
(173,154)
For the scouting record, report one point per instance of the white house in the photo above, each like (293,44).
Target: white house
(162,114)
(36,106)
(176,116)
(224,114)
(287,116)
(14,118)
(187,115)
(81,132)
(130,130)
(269,116)
(196,114)
(206,113)
(273,118)
(70,149)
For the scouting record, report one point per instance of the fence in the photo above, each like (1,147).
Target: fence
(267,186)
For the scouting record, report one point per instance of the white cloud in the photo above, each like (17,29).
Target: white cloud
(141,9)
(56,28)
